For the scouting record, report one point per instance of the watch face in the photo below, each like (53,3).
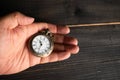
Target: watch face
(41,45)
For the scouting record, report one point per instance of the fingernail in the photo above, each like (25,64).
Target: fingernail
(30,19)
(76,41)
(77,49)
(68,29)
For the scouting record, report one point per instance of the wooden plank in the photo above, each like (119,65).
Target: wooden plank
(65,11)
(99,58)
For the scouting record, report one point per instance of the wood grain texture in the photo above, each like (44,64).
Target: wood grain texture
(65,11)
(99,57)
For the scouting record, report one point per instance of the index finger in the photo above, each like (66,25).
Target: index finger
(58,29)
(35,27)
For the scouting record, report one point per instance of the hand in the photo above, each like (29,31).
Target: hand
(15,30)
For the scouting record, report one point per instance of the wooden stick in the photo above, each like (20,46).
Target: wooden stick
(94,24)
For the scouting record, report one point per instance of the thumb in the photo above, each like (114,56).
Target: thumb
(15,19)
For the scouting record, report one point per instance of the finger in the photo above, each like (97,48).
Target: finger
(65,39)
(15,19)
(35,27)
(58,29)
(55,56)
(70,48)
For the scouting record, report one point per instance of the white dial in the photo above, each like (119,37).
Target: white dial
(41,45)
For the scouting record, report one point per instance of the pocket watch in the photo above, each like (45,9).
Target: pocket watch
(41,44)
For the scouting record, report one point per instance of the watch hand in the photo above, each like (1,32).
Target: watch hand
(40,43)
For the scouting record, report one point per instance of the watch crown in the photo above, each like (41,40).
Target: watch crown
(46,32)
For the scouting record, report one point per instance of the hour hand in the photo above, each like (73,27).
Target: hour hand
(40,43)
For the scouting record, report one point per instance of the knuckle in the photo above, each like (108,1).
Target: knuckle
(16,14)
(45,24)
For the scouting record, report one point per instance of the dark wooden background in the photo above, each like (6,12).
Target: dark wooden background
(99,58)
